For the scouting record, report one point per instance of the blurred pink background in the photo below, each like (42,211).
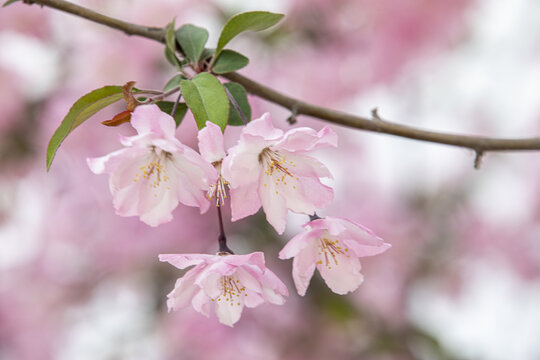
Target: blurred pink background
(462,280)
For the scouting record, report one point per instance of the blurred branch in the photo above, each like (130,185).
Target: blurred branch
(479,144)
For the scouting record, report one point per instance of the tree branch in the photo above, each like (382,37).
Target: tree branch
(479,144)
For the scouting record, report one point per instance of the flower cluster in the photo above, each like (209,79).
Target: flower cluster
(267,168)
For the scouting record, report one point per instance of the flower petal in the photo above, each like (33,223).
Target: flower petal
(183,291)
(245,201)
(183,261)
(228,313)
(299,242)
(303,268)
(242,166)
(263,127)
(273,203)
(305,166)
(201,303)
(305,139)
(211,142)
(150,119)
(361,250)
(342,277)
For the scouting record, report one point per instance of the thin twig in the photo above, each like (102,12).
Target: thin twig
(476,143)
(222,239)
(175,106)
(236,106)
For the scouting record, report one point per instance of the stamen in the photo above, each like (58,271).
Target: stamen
(231,290)
(330,249)
(154,173)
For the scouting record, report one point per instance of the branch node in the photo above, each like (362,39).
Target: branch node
(375,115)
(478,159)
(294,112)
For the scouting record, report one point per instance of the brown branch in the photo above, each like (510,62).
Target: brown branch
(479,144)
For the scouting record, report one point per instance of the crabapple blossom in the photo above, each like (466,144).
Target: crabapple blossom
(333,246)
(229,281)
(269,167)
(211,148)
(155,171)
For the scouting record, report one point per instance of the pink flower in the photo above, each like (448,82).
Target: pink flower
(155,171)
(269,168)
(211,148)
(227,281)
(333,246)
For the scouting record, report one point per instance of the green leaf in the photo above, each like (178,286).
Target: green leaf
(170,39)
(9,2)
(192,40)
(170,48)
(207,99)
(83,108)
(173,60)
(239,94)
(252,20)
(173,82)
(167,106)
(229,61)
(207,53)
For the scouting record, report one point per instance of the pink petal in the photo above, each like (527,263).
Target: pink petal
(305,166)
(308,196)
(306,139)
(303,268)
(228,313)
(263,127)
(211,284)
(184,290)
(273,204)
(249,281)
(109,163)
(270,280)
(255,258)
(245,201)
(242,166)
(361,250)
(149,118)
(211,142)
(183,261)
(201,303)
(298,243)
(343,277)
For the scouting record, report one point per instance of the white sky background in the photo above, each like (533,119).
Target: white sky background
(496,72)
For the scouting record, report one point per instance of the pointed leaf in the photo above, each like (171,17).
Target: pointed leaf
(170,48)
(252,20)
(207,99)
(172,59)
(229,61)
(192,40)
(207,53)
(83,108)
(173,82)
(9,2)
(240,96)
(167,106)
(118,119)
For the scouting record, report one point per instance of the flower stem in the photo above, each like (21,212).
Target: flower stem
(222,239)
(314,217)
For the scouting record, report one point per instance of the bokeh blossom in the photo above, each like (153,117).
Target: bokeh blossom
(269,167)
(229,281)
(155,171)
(333,246)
